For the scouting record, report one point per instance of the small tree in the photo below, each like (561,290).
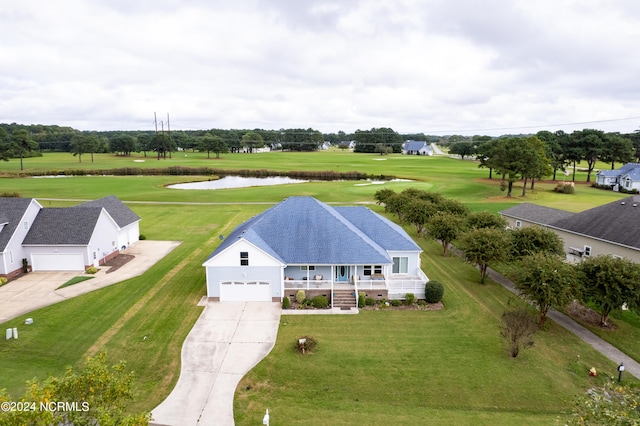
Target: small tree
(546,280)
(610,404)
(485,219)
(610,282)
(518,326)
(100,390)
(483,246)
(534,239)
(445,227)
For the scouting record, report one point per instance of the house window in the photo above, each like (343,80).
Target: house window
(94,255)
(10,257)
(587,250)
(244,258)
(307,268)
(518,224)
(400,265)
(369,270)
(25,224)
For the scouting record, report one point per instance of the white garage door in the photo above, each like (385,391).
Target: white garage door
(245,291)
(57,262)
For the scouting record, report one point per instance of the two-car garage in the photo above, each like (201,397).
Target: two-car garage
(57,262)
(245,291)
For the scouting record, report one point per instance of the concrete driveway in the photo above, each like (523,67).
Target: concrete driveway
(38,289)
(227,341)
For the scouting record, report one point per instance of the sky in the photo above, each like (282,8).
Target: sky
(437,67)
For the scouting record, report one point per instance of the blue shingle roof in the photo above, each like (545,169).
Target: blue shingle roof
(302,230)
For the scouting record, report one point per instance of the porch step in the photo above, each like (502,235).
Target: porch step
(344,298)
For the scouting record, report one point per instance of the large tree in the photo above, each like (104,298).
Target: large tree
(252,141)
(617,149)
(367,140)
(610,282)
(484,246)
(592,143)
(546,280)
(22,143)
(123,143)
(463,149)
(515,158)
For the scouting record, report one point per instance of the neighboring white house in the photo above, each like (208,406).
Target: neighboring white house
(417,148)
(627,176)
(63,239)
(302,243)
(610,229)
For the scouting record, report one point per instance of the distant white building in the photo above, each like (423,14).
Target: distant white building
(417,148)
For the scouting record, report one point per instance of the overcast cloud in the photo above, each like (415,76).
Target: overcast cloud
(432,66)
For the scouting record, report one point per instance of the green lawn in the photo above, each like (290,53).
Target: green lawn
(449,366)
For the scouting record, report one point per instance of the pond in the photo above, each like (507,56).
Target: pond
(229,182)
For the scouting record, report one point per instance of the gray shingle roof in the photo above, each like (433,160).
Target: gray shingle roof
(11,211)
(302,230)
(122,214)
(621,171)
(617,222)
(416,145)
(63,226)
(537,214)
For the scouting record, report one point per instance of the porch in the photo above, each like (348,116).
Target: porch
(395,286)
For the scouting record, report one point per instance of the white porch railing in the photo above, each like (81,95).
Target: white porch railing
(307,284)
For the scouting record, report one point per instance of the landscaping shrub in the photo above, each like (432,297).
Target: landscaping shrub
(433,292)
(565,188)
(25,266)
(10,195)
(422,303)
(91,270)
(306,344)
(3,281)
(142,237)
(409,299)
(300,296)
(396,302)
(320,302)
(369,301)
(286,303)
(362,300)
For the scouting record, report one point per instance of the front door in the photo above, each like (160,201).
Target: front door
(342,273)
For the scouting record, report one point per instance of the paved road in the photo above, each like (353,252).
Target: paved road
(614,354)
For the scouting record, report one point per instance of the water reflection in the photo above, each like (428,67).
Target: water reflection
(229,182)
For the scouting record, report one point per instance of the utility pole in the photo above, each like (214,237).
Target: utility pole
(155,120)
(164,148)
(169,131)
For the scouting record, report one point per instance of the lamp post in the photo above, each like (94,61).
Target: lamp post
(620,370)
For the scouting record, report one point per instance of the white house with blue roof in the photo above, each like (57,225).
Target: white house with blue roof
(417,148)
(302,243)
(627,176)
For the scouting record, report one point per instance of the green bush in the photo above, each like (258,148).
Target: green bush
(362,300)
(409,299)
(142,237)
(286,303)
(3,281)
(565,188)
(422,303)
(91,270)
(369,301)
(320,302)
(300,296)
(396,302)
(433,292)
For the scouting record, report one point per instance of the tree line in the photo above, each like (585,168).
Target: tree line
(545,153)
(533,257)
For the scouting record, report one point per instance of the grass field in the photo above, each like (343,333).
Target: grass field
(376,367)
